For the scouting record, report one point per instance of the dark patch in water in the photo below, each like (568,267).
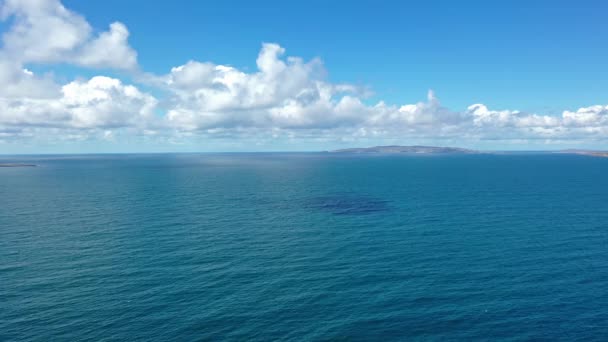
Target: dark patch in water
(349,204)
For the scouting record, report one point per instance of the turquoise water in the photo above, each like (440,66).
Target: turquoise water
(304,247)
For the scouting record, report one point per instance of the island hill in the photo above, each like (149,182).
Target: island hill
(592,153)
(416,149)
(407,149)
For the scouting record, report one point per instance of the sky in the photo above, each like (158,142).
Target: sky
(187,76)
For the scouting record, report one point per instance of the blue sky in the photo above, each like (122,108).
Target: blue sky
(529,55)
(525,57)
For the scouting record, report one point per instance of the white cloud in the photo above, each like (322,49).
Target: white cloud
(106,102)
(16,81)
(44,31)
(100,102)
(109,50)
(209,88)
(593,116)
(287,93)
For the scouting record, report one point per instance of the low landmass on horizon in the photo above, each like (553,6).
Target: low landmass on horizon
(603,154)
(418,149)
(406,149)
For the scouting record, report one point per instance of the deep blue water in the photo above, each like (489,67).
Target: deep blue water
(304,247)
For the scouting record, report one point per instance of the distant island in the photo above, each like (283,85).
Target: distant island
(407,149)
(602,154)
(16,165)
(418,149)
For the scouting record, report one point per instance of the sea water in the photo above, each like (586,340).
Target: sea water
(304,247)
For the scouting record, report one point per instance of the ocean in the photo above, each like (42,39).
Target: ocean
(304,247)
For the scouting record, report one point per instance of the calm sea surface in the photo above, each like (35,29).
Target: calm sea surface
(303,247)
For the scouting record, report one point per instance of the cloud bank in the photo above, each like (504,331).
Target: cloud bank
(285,98)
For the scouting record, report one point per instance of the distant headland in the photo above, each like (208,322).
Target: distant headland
(407,149)
(418,149)
(602,154)
(16,165)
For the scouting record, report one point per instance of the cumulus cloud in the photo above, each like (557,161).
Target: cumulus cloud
(284,93)
(587,122)
(285,98)
(100,102)
(17,81)
(44,31)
